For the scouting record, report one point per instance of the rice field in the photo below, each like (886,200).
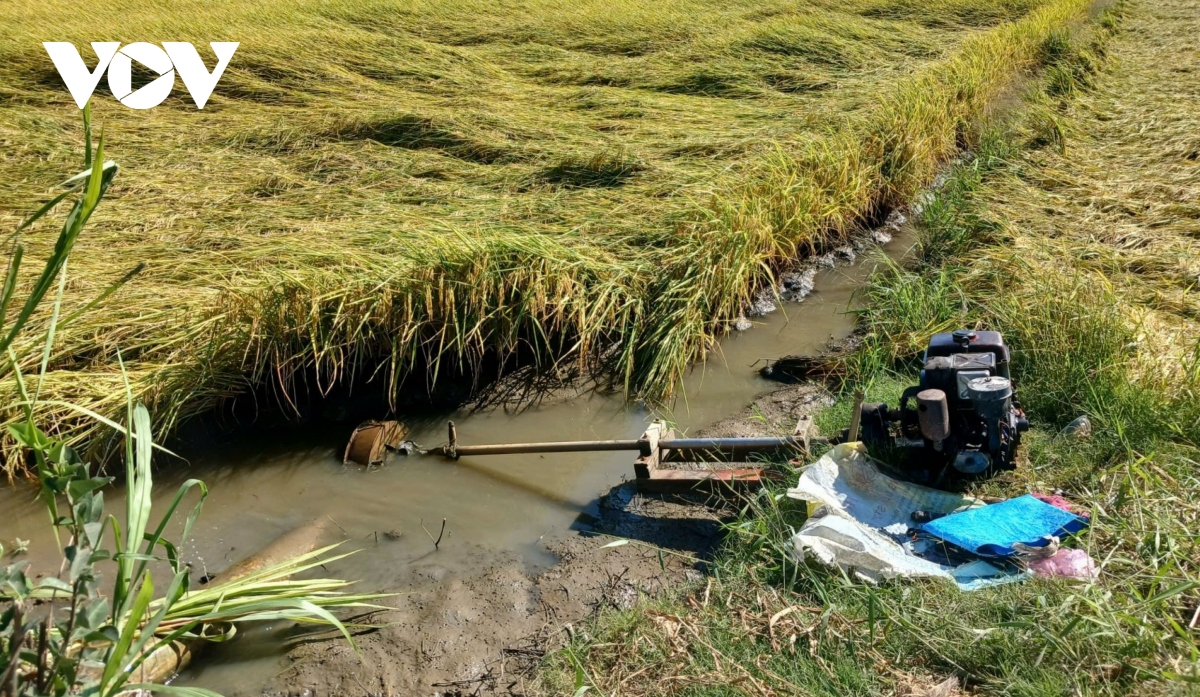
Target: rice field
(376,188)
(1071,228)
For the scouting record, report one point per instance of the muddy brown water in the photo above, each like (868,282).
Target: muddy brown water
(498,504)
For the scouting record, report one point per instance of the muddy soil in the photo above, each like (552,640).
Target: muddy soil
(484,634)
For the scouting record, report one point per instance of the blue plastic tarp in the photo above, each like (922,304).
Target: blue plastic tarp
(991,531)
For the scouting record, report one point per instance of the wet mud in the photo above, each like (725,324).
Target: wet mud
(484,633)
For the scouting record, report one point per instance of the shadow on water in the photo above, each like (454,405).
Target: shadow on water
(692,524)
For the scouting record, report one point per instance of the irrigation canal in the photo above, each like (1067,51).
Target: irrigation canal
(510,504)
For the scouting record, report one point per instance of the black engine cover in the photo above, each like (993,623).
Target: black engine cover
(978,433)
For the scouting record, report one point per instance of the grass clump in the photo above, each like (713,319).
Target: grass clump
(1037,244)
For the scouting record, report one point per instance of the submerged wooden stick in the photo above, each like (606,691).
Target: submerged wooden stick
(176,656)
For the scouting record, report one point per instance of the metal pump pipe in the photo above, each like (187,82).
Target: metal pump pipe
(677,447)
(684,449)
(554,447)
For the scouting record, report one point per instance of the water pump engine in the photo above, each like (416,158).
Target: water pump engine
(963,419)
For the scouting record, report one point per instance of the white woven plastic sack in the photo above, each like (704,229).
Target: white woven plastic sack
(858,517)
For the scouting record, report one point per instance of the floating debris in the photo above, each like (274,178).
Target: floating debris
(764,303)
(796,285)
(370,442)
(802,368)
(825,261)
(890,228)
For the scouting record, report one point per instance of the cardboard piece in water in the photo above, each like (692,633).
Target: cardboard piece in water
(859,518)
